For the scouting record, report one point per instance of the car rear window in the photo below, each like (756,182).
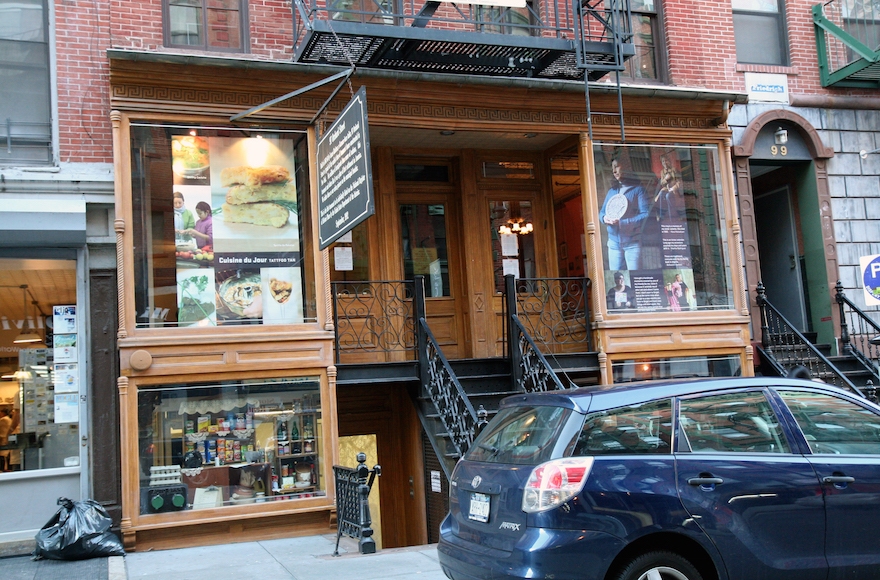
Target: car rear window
(521,435)
(645,428)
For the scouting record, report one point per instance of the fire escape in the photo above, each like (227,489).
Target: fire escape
(848,42)
(538,39)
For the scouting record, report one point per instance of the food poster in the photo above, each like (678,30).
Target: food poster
(251,259)
(195,297)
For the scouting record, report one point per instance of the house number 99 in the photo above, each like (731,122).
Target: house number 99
(783,150)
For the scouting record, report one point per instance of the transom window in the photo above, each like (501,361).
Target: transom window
(759,28)
(219,25)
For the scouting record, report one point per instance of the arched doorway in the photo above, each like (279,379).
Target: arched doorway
(785,212)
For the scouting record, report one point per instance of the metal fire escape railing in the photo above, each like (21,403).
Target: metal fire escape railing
(848,42)
(859,334)
(554,39)
(790,349)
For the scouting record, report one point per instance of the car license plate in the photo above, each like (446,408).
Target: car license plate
(479,510)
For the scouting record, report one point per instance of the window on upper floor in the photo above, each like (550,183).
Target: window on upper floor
(646,34)
(218,25)
(25,85)
(759,28)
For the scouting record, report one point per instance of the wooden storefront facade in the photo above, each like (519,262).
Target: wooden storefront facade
(457,148)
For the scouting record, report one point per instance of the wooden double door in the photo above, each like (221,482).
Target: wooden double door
(440,217)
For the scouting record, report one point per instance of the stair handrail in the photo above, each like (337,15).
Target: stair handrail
(530,371)
(798,340)
(871,363)
(455,410)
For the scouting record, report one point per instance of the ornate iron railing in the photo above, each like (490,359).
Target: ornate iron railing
(791,349)
(529,368)
(455,410)
(554,311)
(859,334)
(353,485)
(373,316)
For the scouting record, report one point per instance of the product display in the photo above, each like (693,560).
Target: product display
(224,451)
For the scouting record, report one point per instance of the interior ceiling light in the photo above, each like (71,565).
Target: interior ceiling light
(516,226)
(26,336)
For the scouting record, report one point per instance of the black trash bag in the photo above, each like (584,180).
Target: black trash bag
(79,530)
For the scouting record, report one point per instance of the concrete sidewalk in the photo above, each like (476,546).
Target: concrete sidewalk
(306,558)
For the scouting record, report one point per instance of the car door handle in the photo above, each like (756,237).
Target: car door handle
(705,481)
(838,479)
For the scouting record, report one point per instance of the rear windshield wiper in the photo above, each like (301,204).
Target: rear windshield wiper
(490,448)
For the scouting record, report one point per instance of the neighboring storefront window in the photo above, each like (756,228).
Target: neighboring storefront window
(226,444)
(662,226)
(217,234)
(676,368)
(42,354)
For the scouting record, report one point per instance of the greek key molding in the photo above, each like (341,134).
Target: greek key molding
(210,99)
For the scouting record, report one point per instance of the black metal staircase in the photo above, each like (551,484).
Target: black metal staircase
(454,398)
(785,350)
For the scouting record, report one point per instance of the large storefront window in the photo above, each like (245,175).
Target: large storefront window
(41,365)
(662,225)
(227,444)
(218,238)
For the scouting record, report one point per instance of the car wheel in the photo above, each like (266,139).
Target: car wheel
(659,566)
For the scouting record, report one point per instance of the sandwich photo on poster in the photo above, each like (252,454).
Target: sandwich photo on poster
(254,197)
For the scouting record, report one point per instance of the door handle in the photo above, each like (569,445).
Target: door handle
(705,481)
(837,479)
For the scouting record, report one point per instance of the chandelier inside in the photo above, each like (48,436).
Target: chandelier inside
(516,226)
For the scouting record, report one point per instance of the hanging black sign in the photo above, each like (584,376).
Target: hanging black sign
(345,181)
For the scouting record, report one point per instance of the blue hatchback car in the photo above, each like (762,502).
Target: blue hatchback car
(740,479)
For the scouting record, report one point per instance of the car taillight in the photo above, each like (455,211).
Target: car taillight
(555,482)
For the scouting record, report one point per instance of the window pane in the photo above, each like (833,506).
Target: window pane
(641,5)
(626,371)
(834,425)
(216,227)
(229,445)
(22,20)
(756,5)
(663,228)
(425,251)
(224,29)
(513,243)
(186,25)
(737,422)
(643,429)
(25,117)
(521,435)
(758,39)
(643,65)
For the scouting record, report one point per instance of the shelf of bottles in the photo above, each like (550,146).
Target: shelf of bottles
(296,464)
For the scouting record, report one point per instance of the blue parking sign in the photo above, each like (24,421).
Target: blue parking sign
(871,278)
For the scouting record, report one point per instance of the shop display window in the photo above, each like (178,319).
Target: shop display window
(218,238)
(662,225)
(629,370)
(228,444)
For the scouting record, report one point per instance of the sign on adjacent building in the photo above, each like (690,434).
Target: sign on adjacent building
(871,279)
(345,181)
(766,87)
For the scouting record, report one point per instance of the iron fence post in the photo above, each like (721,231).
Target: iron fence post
(366,543)
(844,327)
